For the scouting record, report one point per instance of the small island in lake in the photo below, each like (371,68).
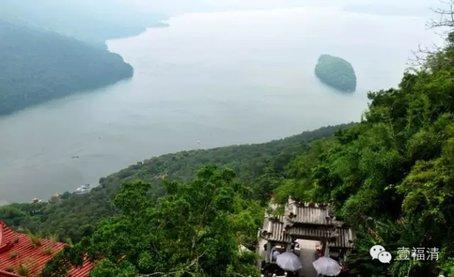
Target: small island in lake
(336,72)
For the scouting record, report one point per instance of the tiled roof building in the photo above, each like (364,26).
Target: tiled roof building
(305,230)
(308,221)
(23,255)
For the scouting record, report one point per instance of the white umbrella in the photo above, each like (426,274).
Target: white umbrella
(327,266)
(288,261)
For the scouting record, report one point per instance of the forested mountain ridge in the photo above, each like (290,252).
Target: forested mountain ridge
(38,66)
(72,216)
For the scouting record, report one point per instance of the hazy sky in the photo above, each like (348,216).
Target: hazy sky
(172,7)
(407,7)
(63,13)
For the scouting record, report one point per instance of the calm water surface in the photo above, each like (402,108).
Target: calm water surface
(207,80)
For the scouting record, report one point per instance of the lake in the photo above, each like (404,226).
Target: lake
(206,80)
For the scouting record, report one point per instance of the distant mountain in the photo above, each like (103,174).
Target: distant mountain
(37,66)
(92,22)
(336,72)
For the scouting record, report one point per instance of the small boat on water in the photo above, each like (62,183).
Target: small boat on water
(82,189)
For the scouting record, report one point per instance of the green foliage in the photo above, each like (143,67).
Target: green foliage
(392,176)
(196,228)
(258,166)
(336,72)
(23,270)
(106,268)
(38,66)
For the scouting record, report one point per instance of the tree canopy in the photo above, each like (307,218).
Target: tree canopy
(195,229)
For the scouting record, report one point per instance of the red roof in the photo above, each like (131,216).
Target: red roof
(22,255)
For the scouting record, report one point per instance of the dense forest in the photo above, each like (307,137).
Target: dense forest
(390,176)
(336,72)
(39,66)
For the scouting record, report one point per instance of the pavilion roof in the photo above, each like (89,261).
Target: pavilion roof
(306,220)
(21,253)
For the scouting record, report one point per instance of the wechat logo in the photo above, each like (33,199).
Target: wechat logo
(379,252)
